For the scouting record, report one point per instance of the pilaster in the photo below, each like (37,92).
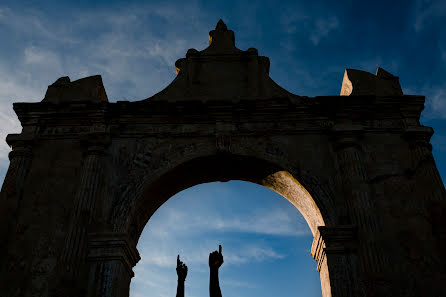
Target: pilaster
(111,257)
(334,248)
(11,193)
(361,209)
(73,255)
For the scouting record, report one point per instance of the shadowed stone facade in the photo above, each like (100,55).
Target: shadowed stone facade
(86,175)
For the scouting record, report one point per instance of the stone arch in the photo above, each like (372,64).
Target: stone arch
(225,167)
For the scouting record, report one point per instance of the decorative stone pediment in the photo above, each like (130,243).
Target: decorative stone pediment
(222,72)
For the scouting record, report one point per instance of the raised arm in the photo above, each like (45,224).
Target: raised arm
(182,273)
(215,261)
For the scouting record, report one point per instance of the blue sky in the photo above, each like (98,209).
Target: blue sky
(134,45)
(265,242)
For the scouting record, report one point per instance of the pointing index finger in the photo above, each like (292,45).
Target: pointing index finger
(219,249)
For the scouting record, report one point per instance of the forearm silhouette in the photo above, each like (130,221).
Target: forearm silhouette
(215,261)
(182,273)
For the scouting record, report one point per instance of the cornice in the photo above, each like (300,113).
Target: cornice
(332,107)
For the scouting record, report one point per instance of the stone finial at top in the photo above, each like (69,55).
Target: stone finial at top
(222,72)
(358,82)
(89,89)
(221,40)
(221,26)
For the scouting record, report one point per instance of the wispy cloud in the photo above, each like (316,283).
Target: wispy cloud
(275,222)
(323,26)
(158,283)
(428,11)
(12,89)
(293,20)
(270,222)
(315,28)
(127,50)
(133,65)
(194,233)
(158,248)
(435,105)
(166,255)
(33,25)
(254,254)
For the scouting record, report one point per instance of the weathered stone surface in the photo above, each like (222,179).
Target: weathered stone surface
(359,83)
(89,89)
(82,185)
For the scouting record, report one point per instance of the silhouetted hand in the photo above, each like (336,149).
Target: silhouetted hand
(181,269)
(216,259)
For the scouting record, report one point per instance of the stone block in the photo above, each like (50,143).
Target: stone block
(362,83)
(85,89)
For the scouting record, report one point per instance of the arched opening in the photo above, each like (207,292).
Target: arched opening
(165,183)
(162,185)
(265,243)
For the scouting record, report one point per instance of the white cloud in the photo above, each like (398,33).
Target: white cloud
(32,23)
(437,103)
(323,26)
(164,254)
(271,222)
(254,254)
(427,11)
(315,28)
(13,88)
(158,283)
(197,232)
(45,65)
(146,276)
(193,235)
(34,55)
(133,66)
(25,82)
(274,222)
(292,19)
(135,60)
(156,269)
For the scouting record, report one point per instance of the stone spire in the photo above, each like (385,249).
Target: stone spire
(221,40)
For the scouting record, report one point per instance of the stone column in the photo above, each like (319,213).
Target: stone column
(111,257)
(334,248)
(74,253)
(11,193)
(360,205)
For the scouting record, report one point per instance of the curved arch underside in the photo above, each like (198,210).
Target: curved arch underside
(225,167)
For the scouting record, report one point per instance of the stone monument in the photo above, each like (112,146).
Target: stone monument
(86,175)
